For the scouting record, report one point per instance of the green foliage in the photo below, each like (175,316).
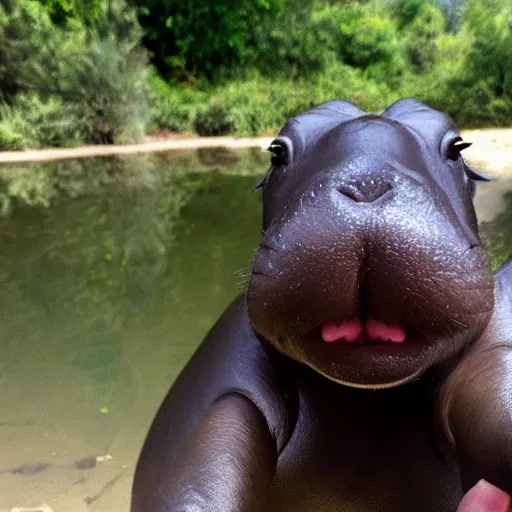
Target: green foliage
(472,71)
(73,71)
(298,42)
(71,83)
(200,35)
(31,122)
(215,119)
(366,38)
(422,34)
(173,107)
(87,12)
(106,81)
(261,104)
(406,11)
(25,29)
(490,57)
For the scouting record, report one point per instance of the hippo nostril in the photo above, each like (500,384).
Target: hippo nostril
(366,191)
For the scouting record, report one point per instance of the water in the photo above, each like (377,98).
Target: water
(107,293)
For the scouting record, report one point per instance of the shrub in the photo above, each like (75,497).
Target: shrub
(61,11)
(107,84)
(25,30)
(16,131)
(261,104)
(201,35)
(215,119)
(365,39)
(299,42)
(422,35)
(35,123)
(97,72)
(173,107)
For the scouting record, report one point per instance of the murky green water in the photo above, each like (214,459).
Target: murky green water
(106,294)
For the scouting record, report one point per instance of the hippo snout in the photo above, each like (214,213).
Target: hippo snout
(369,232)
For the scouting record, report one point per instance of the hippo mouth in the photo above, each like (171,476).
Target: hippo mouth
(377,354)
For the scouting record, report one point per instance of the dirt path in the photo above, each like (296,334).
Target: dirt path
(42,155)
(491,147)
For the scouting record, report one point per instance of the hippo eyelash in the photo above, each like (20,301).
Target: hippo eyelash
(456,147)
(454,154)
(474,175)
(262,183)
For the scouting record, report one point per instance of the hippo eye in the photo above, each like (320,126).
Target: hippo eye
(455,149)
(279,155)
(454,153)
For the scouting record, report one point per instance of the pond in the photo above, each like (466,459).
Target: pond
(106,294)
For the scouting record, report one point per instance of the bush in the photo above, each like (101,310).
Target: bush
(25,30)
(365,39)
(31,122)
(298,43)
(107,83)
(260,104)
(422,35)
(62,11)
(215,119)
(102,72)
(73,71)
(200,35)
(173,107)
(95,75)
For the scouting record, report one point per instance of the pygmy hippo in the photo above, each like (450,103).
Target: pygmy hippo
(368,366)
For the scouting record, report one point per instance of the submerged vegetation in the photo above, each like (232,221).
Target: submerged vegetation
(105,71)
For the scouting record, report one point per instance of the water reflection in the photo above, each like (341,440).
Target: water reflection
(105,296)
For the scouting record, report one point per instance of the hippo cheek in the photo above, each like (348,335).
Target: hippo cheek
(364,277)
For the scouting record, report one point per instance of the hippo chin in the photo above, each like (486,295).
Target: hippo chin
(369,276)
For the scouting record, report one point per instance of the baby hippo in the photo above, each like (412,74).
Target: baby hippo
(368,366)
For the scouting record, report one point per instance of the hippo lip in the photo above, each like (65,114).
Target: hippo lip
(368,364)
(314,348)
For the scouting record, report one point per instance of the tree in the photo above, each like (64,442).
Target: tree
(201,36)
(85,11)
(490,58)
(421,23)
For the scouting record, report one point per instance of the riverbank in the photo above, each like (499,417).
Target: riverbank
(150,145)
(491,147)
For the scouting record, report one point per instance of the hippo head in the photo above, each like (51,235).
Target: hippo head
(370,269)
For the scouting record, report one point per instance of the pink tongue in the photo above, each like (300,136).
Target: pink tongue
(378,331)
(348,331)
(351,330)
